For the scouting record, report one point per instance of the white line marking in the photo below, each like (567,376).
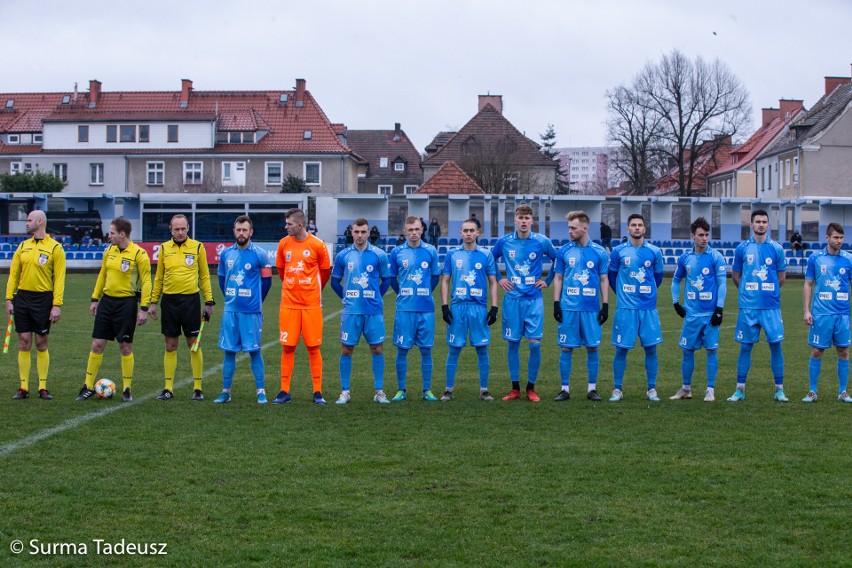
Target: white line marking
(12,447)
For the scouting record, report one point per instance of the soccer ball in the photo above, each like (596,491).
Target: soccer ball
(104,388)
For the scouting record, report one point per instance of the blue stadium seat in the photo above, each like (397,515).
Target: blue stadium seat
(442,241)
(99,255)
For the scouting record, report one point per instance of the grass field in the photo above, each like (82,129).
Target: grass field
(465,483)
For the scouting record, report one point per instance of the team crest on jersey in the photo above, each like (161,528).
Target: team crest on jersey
(42,259)
(647,263)
(306,253)
(768,261)
(532,255)
(189,260)
(824,267)
(369,268)
(842,271)
(627,261)
(749,258)
(705,270)
(511,254)
(424,264)
(287,256)
(590,264)
(230,264)
(247,266)
(458,263)
(405,264)
(125,265)
(571,262)
(478,265)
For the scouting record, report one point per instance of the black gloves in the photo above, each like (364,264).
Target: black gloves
(603,315)
(557,311)
(679,309)
(446,314)
(205,316)
(492,316)
(716,318)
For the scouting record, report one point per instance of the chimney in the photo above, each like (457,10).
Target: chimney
(494,100)
(789,107)
(185,89)
(300,92)
(397,132)
(770,114)
(832,83)
(94,92)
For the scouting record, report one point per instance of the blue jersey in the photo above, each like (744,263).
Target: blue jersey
(706,281)
(414,268)
(242,271)
(523,258)
(469,271)
(759,265)
(582,268)
(361,274)
(830,273)
(636,271)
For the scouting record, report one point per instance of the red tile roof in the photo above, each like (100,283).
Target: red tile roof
(450,179)
(394,145)
(748,151)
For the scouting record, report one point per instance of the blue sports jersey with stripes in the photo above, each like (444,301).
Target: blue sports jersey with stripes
(361,273)
(706,281)
(469,271)
(523,258)
(241,269)
(759,265)
(636,271)
(582,268)
(414,268)
(830,274)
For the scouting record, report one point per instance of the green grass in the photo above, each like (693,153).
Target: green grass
(465,483)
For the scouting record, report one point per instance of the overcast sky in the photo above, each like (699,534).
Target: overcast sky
(370,64)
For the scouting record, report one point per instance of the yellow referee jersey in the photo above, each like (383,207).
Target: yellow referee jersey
(182,269)
(123,273)
(38,266)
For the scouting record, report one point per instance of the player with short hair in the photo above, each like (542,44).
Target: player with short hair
(635,273)
(304,267)
(245,277)
(468,271)
(119,303)
(827,284)
(360,277)
(34,294)
(580,302)
(703,268)
(523,308)
(759,271)
(182,273)
(414,273)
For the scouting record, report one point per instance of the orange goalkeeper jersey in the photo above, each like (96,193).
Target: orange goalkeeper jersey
(299,263)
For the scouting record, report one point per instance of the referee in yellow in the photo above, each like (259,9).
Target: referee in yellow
(34,295)
(181,272)
(123,282)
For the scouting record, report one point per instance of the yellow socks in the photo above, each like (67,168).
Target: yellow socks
(196,361)
(24,364)
(126,371)
(42,365)
(170,365)
(92,368)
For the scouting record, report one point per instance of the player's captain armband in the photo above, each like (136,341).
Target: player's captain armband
(266,272)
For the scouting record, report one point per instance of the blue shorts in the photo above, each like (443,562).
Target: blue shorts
(830,329)
(628,324)
(241,332)
(522,318)
(579,329)
(697,333)
(414,328)
(353,325)
(468,319)
(750,322)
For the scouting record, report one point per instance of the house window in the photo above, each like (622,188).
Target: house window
(409,189)
(112,133)
(385,189)
(28,168)
(787,172)
(14,139)
(82,133)
(192,173)
(399,167)
(274,173)
(96,174)
(172,133)
(17,167)
(38,138)
(226,171)
(60,171)
(312,173)
(128,133)
(144,133)
(511,182)
(308,135)
(796,169)
(156,172)
(383,162)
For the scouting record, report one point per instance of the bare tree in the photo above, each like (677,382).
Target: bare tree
(635,130)
(493,167)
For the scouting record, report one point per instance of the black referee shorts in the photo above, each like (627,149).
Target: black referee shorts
(116,319)
(180,312)
(32,311)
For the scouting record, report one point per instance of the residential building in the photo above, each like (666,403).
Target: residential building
(711,155)
(391,161)
(587,169)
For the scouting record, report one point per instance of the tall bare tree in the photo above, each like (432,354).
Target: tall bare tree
(635,131)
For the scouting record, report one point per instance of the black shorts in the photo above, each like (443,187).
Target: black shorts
(116,319)
(180,312)
(32,311)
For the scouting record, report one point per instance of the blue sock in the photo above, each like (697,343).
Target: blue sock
(401,368)
(514,356)
(687,366)
(534,362)
(452,365)
(593,359)
(776,362)
(426,367)
(712,368)
(842,374)
(229,366)
(619,365)
(345,371)
(651,366)
(485,365)
(257,368)
(744,362)
(379,370)
(565,364)
(814,368)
